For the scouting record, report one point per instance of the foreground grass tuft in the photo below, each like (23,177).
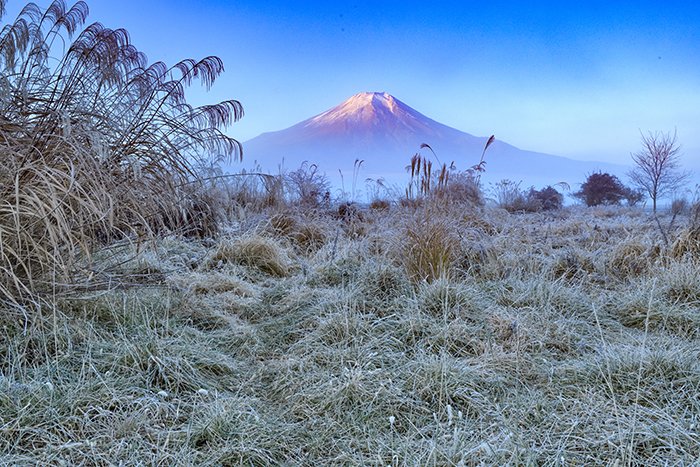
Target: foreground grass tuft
(96,145)
(255,251)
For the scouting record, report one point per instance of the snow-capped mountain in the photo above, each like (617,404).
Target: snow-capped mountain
(384,132)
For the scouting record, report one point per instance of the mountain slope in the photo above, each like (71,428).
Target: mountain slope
(384,132)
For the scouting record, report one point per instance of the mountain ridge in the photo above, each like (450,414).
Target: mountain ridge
(385,132)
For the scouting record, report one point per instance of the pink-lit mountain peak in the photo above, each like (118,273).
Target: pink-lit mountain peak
(371,110)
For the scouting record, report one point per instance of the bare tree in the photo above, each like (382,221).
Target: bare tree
(657,170)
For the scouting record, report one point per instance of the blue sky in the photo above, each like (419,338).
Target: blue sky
(578,79)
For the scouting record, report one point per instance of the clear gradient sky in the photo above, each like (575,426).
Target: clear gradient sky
(578,79)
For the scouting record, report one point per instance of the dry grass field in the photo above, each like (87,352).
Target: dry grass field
(438,335)
(150,315)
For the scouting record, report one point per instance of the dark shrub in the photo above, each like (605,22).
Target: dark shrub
(546,199)
(512,199)
(602,188)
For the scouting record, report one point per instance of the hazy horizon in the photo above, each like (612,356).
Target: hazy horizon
(579,81)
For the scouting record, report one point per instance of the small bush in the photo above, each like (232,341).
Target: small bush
(307,187)
(603,188)
(546,199)
(512,199)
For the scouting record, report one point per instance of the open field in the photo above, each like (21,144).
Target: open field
(155,311)
(450,336)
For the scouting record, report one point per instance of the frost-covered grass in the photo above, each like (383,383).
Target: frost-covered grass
(450,336)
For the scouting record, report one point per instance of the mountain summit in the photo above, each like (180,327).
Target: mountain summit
(366,122)
(363,108)
(371,111)
(384,132)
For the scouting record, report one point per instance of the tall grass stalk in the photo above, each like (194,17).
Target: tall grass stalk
(95,143)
